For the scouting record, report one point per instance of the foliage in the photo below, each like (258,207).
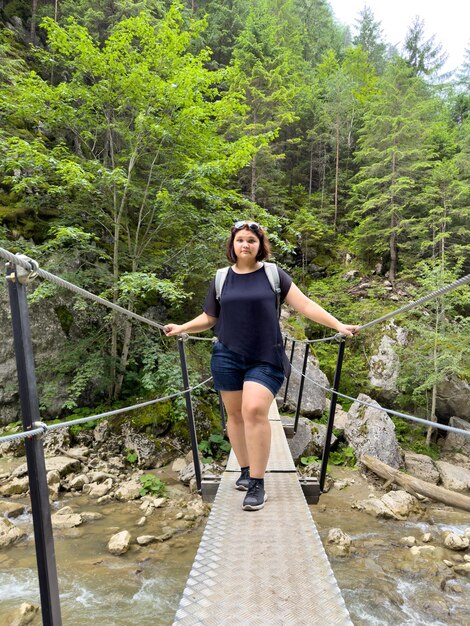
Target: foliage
(214,448)
(345,455)
(308,460)
(151,485)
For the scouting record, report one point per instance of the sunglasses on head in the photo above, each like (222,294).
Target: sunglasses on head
(244,224)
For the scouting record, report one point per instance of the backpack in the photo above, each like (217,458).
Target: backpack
(272,275)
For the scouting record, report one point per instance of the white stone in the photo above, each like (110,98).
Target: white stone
(129,490)
(144,540)
(14,487)
(22,616)
(65,510)
(456,542)
(66,521)
(178,464)
(120,542)
(142,521)
(338,537)
(98,490)
(420,550)
(79,481)
(408,541)
(426,538)
(9,533)
(91,516)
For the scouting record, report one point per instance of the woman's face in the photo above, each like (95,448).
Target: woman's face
(246,244)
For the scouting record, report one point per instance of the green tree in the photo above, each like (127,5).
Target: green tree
(130,139)
(370,37)
(424,56)
(393,156)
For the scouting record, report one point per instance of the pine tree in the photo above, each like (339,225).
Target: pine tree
(369,36)
(392,155)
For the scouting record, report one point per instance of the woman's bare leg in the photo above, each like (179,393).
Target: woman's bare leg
(255,408)
(235,426)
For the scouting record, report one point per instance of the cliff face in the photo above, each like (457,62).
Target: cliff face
(49,342)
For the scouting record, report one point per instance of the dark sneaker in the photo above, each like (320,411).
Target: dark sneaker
(256,496)
(244,480)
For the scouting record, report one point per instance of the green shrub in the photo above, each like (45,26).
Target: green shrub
(151,485)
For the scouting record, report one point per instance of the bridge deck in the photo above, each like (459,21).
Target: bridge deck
(262,568)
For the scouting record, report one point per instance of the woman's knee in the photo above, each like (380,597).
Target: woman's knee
(235,417)
(254,413)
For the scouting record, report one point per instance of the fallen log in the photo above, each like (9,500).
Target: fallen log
(415,485)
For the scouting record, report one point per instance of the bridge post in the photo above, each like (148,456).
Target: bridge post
(39,492)
(301,388)
(331,416)
(288,378)
(190,412)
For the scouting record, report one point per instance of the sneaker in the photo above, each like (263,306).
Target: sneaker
(244,480)
(256,496)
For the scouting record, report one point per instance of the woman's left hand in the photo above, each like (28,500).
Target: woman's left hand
(349,329)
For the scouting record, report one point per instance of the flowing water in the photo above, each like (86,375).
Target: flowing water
(382,585)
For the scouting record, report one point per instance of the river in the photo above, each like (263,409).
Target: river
(382,585)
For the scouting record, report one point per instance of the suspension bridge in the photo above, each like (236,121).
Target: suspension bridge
(250,569)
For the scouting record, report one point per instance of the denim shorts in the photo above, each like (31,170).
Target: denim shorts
(230,370)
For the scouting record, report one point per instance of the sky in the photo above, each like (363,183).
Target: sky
(449,20)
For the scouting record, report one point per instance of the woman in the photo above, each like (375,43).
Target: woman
(247,360)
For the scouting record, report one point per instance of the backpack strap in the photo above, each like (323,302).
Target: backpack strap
(220,277)
(272,274)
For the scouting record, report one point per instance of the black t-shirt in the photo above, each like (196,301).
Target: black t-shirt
(247,316)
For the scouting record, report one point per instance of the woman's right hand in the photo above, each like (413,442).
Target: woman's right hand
(173,329)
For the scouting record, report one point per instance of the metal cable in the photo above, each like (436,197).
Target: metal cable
(333,337)
(91,418)
(420,420)
(71,287)
(411,305)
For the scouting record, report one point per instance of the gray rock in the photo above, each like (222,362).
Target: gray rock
(453,398)
(422,467)
(98,490)
(309,440)
(369,430)
(144,447)
(48,345)
(384,366)
(79,481)
(453,477)
(314,397)
(144,540)
(456,441)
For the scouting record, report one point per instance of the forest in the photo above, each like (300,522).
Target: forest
(134,133)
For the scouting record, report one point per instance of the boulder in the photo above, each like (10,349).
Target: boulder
(314,397)
(62,521)
(120,542)
(455,441)
(308,440)
(56,440)
(78,482)
(339,538)
(421,466)
(15,487)
(144,447)
(25,615)
(393,505)
(453,398)
(384,366)
(129,490)
(369,430)
(11,509)
(98,490)
(456,542)
(48,339)
(453,477)
(9,533)
(178,464)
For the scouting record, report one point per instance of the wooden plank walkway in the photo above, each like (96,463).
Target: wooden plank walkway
(262,568)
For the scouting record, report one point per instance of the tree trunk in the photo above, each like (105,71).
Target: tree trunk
(335,220)
(415,485)
(253,179)
(34,11)
(393,248)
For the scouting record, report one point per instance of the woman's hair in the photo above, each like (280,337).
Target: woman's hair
(264,248)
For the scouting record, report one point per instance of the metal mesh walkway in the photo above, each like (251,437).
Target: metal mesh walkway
(262,568)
